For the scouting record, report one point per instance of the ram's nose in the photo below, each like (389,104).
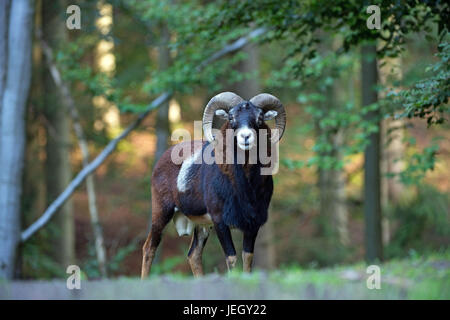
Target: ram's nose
(245,135)
(245,138)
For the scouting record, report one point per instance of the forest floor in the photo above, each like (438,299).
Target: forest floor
(413,278)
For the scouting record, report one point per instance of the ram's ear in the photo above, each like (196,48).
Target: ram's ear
(222,114)
(269,115)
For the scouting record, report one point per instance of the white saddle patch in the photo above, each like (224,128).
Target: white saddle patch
(183,175)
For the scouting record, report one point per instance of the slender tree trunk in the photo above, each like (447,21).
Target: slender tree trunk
(12,130)
(340,216)
(58,169)
(333,210)
(392,135)
(105,62)
(372,181)
(265,253)
(393,152)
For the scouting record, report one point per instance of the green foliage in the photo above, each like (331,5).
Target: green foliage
(167,265)
(301,22)
(418,164)
(429,97)
(416,219)
(90,265)
(115,262)
(37,264)
(332,116)
(301,26)
(190,44)
(38,259)
(70,59)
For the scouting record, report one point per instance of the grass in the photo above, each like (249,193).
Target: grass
(418,277)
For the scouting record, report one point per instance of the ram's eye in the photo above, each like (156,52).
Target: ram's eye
(260,120)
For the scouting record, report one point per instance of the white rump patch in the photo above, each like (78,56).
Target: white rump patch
(183,175)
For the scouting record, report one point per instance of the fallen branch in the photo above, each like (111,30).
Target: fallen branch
(87,170)
(67,99)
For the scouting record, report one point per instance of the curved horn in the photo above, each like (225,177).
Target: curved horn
(268,102)
(224,100)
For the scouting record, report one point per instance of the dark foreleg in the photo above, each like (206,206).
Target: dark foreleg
(224,235)
(247,251)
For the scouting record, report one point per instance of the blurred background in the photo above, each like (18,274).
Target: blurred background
(365,160)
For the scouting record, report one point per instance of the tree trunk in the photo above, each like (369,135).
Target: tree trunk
(265,253)
(340,215)
(372,181)
(392,135)
(392,152)
(105,62)
(12,130)
(333,209)
(58,169)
